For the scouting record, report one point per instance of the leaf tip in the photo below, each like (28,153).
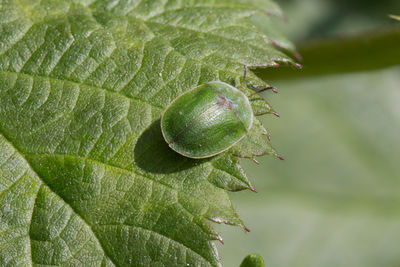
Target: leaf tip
(253,189)
(298,65)
(275,64)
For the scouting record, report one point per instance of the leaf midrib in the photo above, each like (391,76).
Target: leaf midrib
(106,253)
(49,78)
(133,170)
(44,183)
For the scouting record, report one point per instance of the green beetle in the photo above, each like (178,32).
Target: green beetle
(207,120)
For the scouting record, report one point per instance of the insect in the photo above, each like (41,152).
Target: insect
(207,120)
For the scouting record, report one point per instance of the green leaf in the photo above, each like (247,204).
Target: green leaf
(85,175)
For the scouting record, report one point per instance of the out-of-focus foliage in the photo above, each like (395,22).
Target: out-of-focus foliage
(358,52)
(321,18)
(335,200)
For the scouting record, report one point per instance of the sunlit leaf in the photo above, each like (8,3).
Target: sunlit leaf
(85,175)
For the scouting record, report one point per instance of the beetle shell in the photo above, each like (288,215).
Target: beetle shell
(207,120)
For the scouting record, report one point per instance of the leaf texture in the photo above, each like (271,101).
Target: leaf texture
(85,175)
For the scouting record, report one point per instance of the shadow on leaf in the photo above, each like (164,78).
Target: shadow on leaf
(154,155)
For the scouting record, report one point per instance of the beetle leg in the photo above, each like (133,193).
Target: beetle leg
(272,88)
(244,76)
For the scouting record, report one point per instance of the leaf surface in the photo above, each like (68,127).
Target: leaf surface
(85,175)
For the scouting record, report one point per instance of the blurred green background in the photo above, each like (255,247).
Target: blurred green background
(335,200)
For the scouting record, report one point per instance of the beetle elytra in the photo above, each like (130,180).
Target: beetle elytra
(207,120)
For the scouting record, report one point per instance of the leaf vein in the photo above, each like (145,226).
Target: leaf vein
(43,183)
